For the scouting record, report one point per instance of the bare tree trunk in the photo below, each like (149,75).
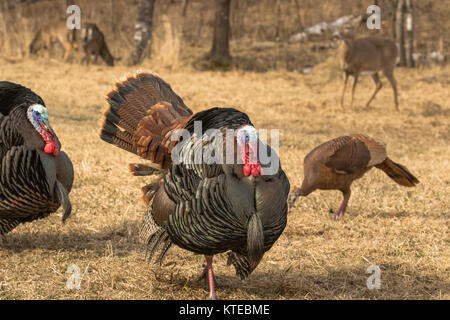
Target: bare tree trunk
(200,23)
(299,17)
(409,43)
(399,31)
(184,6)
(394,20)
(278,13)
(220,51)
(113,17)
(142,30)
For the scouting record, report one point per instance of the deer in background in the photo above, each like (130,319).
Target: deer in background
(47,36)
(359,56)
(93,42)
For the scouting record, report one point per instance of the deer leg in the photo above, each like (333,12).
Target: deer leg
(88,58)
(343,207)
(67,49)
(344,85)
(49,51)
(378,85)
(355,81)
(79,53)
(390,75)
(86,55)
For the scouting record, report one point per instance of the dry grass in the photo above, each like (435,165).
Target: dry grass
(404,231)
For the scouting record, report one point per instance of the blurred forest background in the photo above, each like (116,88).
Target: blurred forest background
(259,29)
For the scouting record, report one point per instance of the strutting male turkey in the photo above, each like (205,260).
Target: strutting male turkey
(201,206)
(35,175)
(335,164)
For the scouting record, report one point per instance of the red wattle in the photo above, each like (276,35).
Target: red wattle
(51,145)
(51,148)
(247,169)
(250,168)
(258,169)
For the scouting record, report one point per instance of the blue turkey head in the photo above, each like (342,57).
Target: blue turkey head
(37,114)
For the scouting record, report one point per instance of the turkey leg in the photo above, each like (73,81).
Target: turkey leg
(204,276)
(340,213)
(212,291)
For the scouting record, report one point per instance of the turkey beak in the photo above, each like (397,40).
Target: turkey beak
(44,124)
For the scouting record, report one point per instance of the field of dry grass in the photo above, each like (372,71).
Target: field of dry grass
(403,231)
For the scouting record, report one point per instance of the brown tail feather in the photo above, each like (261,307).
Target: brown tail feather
(142,111)
(148,191)
(138,169)
(398,173)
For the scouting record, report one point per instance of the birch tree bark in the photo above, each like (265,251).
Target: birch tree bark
(409,43)
(399,31)
(142,30)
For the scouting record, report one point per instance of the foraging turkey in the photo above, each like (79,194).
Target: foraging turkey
(335,164)
(35,175)
(201,206)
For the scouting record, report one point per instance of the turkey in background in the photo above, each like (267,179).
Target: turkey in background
(335,164)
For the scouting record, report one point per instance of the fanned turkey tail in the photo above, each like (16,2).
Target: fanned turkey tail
(398,173)
(143,110)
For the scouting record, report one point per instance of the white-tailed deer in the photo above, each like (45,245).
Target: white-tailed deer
(359,56)
(56,32)
(93,42)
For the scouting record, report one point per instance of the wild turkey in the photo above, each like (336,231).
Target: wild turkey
(35,176)
(335,164)
(204,207)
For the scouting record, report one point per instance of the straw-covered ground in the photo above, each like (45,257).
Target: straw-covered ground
(404,231)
